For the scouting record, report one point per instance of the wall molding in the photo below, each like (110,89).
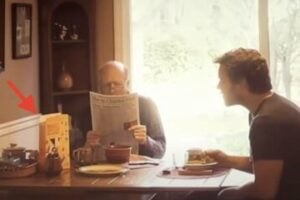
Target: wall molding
(19,124)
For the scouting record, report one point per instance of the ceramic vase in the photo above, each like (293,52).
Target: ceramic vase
(65,80)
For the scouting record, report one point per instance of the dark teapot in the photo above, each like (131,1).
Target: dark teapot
(13,151)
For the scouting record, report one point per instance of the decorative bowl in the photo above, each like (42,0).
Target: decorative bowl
(117,153)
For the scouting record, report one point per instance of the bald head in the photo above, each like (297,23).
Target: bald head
(113,77)
(114,65)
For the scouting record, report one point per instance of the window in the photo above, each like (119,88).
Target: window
(285,47)
(174,43)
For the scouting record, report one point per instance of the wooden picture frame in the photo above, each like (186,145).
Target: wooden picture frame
(21,30)
(2,33)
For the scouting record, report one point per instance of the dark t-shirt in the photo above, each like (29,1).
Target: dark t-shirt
(275,135)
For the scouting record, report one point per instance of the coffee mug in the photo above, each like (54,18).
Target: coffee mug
(194,154)
(83,155)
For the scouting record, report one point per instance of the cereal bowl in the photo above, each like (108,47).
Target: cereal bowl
(117,153)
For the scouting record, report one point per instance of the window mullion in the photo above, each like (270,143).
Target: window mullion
(263,29)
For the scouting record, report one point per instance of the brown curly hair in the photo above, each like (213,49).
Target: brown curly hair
(247,64)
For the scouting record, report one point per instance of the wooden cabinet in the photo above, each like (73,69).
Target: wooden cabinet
(66,38)
(2,31)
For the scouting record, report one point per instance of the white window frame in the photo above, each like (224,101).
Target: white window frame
(122,33)
(263,29)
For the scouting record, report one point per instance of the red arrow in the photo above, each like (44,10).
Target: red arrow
(27,103)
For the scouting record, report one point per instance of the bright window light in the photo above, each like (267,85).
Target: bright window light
(174,43)
(285,47)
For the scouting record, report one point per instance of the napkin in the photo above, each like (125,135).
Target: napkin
(139,161)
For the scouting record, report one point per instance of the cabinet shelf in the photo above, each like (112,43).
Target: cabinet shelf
(70,92)
(69,41)
(76,55)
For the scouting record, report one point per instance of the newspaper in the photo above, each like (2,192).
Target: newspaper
(112,115)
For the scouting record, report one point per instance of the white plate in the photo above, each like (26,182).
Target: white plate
(102,169)
(198,166)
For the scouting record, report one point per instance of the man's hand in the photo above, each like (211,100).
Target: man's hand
(219,156)
(230,161)
(139,132)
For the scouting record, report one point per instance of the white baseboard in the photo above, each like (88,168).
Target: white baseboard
(24,132)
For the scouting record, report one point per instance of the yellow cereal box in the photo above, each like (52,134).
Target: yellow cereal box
(54,132)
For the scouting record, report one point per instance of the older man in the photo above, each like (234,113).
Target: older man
(274,129)
(113,80)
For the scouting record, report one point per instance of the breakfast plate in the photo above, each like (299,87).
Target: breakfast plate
(102,169)
(200,166)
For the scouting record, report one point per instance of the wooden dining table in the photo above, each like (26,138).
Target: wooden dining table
(147,179)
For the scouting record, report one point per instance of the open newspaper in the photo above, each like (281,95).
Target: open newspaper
(112,115)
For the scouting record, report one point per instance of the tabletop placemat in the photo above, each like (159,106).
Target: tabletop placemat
(174,173)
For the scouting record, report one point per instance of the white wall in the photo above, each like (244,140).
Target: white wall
(23,72)
(24,132)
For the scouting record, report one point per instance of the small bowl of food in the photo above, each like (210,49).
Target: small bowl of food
(196,159)
(117,153)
